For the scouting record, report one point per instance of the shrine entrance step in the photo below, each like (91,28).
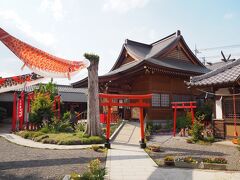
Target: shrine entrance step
(129,134)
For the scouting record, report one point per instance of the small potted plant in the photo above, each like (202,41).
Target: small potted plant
(235,141)
(169,161)
(154,148)
(216,163)
(187,162)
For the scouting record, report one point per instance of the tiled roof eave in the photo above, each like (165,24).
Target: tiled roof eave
(199,84)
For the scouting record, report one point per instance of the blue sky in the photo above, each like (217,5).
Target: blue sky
(68,28)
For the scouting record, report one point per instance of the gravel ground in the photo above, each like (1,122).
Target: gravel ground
(18,162)
(179,147)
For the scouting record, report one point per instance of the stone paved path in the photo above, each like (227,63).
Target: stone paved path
(24,163)
(126,161)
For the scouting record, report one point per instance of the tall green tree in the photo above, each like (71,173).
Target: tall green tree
(41,106)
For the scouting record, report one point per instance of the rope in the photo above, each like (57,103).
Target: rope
(216,94)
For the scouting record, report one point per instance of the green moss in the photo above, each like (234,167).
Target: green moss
(40,138)
(91,57)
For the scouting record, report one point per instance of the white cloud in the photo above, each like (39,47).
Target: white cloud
(142,34)
(228,16)
(54,6)
(122,6)
(43,38)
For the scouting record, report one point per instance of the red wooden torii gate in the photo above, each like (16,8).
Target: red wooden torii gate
(182,105)
(140,103)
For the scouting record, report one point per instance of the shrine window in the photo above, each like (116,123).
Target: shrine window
(156,100)
(165,100)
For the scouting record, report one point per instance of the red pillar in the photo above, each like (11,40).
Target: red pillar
(14,113)
(191,105)
(107,144)
(59,108)
(142,143)
(28,110)
(21,111)
(234,114)
(174,120)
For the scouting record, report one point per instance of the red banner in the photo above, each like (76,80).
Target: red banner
(14,115)
(21,111)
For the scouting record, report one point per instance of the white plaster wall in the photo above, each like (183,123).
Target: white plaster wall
(218,104)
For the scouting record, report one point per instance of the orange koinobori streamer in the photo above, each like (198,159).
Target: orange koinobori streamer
(39,61)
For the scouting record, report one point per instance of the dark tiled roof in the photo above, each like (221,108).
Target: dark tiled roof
(216,65)
(122,68)
(224,75)
(61,89)
(154,54)
(179,65)
(148,53)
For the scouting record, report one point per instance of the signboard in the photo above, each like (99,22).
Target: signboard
(135,112)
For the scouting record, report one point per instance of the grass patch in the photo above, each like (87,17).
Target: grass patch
(204,141)
(98,148)
(78,138)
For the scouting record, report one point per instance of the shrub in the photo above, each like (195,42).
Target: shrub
(99,148)
(147,135)
(60,126)
(204,111)
(66,116)
(80,127)
(156,127)
(197,130)
(209,139)
(95,147)
(49,88)
(149,127)
(169,158)
(189,159)
(220,160)
(169,125)
(75,176)
(183,122)
(215,160)
(96,172)
(41,108)
(46,129)
(207,160)
(169,161)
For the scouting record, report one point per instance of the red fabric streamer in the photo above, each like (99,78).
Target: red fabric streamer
(40,61)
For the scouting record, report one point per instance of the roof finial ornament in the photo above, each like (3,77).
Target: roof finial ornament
(178,32)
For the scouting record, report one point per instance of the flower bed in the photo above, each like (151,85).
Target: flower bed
(187,162)
(154,148)
(216,163)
